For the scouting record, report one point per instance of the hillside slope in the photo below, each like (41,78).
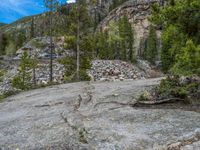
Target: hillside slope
(72,116)
(2,24)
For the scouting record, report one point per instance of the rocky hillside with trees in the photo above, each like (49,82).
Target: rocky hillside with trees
(102,74)
(2,24)
(62,37)
(75,36)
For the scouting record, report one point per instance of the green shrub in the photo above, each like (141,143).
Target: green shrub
(145,96)
(188,62)
(7,94)
(2,72)
(18,83)
(84,76)
(175,87)
(179,92)
(38,44)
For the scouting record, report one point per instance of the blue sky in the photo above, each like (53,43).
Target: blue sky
(11,10)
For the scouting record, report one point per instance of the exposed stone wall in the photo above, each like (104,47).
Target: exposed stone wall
(137,12)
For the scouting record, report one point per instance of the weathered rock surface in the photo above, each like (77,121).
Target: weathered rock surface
(40,47)
(137,12)
(87,116)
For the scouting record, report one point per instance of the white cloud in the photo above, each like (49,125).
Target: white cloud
(71,1)
(11,10)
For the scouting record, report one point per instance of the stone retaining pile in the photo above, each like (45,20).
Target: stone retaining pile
(115,70)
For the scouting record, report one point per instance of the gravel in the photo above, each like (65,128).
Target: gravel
(115,70)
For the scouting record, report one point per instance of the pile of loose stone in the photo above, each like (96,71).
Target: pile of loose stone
(6,84)
(43,71)
(5,87)
(101,70)
(115,70)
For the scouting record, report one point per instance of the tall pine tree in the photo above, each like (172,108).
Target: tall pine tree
(151,50)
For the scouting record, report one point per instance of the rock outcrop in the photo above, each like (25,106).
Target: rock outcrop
(40,47)
(89,116)
(137,12)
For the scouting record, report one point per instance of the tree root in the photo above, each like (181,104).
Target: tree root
(114,102)
(169,100)
(142,103)
(184,142)
(49,105)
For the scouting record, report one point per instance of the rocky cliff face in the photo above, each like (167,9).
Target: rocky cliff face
(137,12)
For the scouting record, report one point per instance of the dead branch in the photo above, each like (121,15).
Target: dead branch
(114,102)
(169,100)
(49,105)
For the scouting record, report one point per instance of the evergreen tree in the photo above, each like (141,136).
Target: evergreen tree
(188,61)
(19,39)
(180,21)
(103,51)
(32,30)
(130,36)
(79,25)
(52,6)
(151,51)
(114,39)
(127,39)
(11,48)
(23,78)
(3,43)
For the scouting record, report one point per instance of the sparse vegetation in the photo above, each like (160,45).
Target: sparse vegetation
(2,72)
(175,87)
(83,135)
(180,52)
(23,79)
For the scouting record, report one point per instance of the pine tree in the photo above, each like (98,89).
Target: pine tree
(114,39)
(32,31)
(103,52)
(23,78)
(52,6)
(3,43)
(78,43)
(188,61)
(130,39)
(151,51)
(179,20)
(79,24)
(127,39)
